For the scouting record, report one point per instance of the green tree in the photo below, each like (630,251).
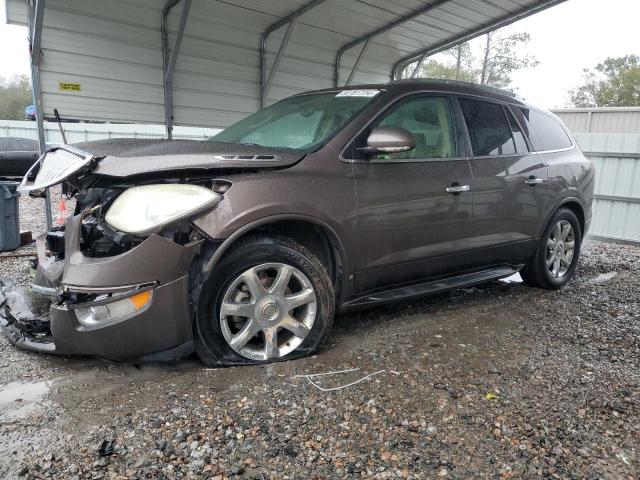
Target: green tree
(463,67)
(435,69)
(500,58)
(613,83)
(458,64)
(15,95)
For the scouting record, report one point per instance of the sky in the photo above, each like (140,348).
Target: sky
(565,39)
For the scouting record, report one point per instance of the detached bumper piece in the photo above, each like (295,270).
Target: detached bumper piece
(24,318)
(159,330)
(133,306)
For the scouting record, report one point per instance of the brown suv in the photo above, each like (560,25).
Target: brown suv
(243,246)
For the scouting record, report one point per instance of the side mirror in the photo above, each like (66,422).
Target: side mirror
(389,140)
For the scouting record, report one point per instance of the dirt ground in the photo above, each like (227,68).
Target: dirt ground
(502,381)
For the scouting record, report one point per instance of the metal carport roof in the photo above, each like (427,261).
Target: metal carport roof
(103,60)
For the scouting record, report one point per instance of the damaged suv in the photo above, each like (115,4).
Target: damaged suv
(243,246)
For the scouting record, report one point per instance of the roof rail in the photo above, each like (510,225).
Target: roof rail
(461,83)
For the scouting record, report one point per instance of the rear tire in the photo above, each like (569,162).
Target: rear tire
(558,252)
(268,299)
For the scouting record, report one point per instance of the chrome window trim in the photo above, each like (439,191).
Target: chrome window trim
(527,154)
(572,147)
(408,160)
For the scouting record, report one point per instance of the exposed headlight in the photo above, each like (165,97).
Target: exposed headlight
(101,315)
(143,210)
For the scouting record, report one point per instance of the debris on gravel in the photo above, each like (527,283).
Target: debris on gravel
(498,381)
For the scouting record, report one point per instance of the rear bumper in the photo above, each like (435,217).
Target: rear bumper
(161,331)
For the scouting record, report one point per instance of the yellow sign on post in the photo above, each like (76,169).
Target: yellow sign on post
(69,86)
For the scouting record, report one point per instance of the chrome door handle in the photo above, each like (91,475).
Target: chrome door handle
(533,181)
(455,189)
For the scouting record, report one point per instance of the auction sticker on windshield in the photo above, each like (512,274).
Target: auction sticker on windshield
(358,93)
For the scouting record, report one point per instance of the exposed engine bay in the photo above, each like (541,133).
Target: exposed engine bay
(115,279)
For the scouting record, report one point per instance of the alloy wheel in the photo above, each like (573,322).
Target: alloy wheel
(268,311)
(560,249)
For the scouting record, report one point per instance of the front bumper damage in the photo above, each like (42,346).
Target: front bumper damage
(44,319)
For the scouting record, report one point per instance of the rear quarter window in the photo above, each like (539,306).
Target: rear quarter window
(545,132)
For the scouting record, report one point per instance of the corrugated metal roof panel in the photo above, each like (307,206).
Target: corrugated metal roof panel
(112,49)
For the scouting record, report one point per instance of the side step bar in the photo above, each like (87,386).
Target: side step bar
(431,287)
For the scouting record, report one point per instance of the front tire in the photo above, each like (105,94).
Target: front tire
(558,252)
(269,299)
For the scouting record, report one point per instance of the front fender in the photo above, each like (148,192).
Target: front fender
(268,197)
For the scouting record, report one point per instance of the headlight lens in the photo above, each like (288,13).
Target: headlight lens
(100,315)
(143,210)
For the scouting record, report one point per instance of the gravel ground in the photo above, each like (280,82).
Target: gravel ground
(503,381)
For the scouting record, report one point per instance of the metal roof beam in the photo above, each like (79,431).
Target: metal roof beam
(278,59)
(503,21)
(385,28)
(169,58)
(265,83)
(35,29)
(356,65)
(35,17)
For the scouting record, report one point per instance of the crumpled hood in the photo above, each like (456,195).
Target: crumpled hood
(123,157)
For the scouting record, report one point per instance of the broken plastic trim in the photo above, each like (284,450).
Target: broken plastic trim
(117,293)
(53,171)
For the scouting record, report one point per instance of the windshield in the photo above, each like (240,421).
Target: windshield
(301,122)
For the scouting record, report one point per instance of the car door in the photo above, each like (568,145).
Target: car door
(509,192)
(21,154)
(409,226)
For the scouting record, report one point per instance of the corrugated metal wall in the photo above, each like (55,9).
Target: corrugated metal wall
(610,137)
(601,120)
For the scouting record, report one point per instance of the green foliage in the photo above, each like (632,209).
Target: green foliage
(435,69)
(501,58)
(614,83)
(497,60)
(15,95)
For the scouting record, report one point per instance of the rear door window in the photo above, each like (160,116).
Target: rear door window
(489,131)
(518,136)
(545,132)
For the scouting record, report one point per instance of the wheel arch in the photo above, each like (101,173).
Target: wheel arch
(575,205)
(314,234)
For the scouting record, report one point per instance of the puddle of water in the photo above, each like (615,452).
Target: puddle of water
(19,399)
(603,277)
(515,278)
(23,392)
